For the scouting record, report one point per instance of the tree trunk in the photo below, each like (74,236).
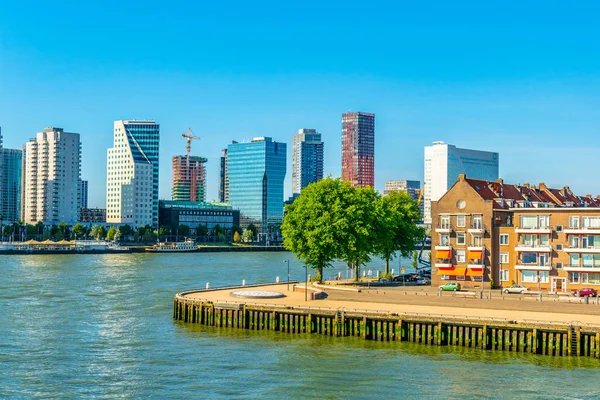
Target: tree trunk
(320,269)
(387,265)
(356,271)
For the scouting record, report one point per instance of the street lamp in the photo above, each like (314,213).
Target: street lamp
(306,284)
(288,280)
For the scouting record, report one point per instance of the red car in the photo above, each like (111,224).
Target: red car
(584,292)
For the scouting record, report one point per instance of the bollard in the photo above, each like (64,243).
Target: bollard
(586,300)
(440,291)
(480,294)
(276,279)
(540,297)
(208,285)
(243,282)
(392,271)
(378,274)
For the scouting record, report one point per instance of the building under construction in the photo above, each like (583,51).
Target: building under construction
(189,175)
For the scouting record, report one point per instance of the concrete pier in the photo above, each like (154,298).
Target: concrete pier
(553,334)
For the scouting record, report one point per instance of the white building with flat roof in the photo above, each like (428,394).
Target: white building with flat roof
(443,163)
(51,188)
(132,174)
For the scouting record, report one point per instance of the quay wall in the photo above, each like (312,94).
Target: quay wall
(491,334)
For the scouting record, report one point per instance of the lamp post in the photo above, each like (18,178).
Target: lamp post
(288,280)
(306,283)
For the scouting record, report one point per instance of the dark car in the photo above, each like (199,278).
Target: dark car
(584,292)
(405,278)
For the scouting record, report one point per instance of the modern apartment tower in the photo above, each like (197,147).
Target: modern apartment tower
(256,171)
(132,174)
(358,148)
(51,183)
(189,178)
(10,184)
(444,162)
(307,159)
(223,181)
(84,195)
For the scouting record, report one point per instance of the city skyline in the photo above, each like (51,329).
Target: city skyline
(519,84)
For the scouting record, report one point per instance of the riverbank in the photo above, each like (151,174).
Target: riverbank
(394,315)
(142,249)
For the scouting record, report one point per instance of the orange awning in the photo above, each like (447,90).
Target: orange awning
(454,272)
(475,254)
(444,254)
(475,272)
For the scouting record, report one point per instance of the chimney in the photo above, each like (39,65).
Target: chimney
(526,185)
(500,181)
(462,177)
(543,186)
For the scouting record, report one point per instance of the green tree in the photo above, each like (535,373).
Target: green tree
(79,230)
(111,233)
(217,230)
(221,237)
(64,230)
(30,230)
(415,260)
(396,227)
(248,236)
(183,230)
(39,228)
(126,231)
(236,228)
(314,224)
(164,230)
(252,228)
(201,230)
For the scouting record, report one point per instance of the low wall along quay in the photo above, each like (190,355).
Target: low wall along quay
(485,334)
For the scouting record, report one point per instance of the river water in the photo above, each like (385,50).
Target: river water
(100,326)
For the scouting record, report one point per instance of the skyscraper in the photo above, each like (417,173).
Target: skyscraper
(358,148)
(223,181)
(51,189)
(189,178)
(256,171)
(10,184)
(444,162)
(307,159)
(84,195)
(132,174)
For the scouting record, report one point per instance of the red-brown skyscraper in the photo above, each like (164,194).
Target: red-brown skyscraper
(358,148)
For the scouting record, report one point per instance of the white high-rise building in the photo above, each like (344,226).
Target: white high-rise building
(132,174)
(443,163)
(51,189)
(307,159)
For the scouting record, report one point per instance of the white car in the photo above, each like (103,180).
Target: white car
(424,281)
(516,289)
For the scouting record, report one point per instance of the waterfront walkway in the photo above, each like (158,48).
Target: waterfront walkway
(425,301)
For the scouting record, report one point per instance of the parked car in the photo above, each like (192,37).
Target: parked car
(516,289)
(424,281)
(450,286)
(584,292)
(405,278)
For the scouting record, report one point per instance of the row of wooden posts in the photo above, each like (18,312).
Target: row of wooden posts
(559,340)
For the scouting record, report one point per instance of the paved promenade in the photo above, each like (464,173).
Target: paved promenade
(418,300)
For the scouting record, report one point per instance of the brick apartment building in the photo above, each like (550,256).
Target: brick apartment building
(491,232)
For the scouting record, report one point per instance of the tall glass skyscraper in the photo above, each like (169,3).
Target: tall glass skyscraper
(307,159)
(132,174)
(358,148)
(256,171)
(10,184)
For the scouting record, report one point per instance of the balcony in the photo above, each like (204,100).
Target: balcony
(443,265)
(530,248)
(539,229)
(476,228)
(584,250)
(443,228)
(577,268)
(582,230)
(533,267)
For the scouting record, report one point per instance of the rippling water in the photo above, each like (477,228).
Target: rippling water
(100,326)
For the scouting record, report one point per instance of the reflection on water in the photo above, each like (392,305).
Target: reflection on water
(100,326)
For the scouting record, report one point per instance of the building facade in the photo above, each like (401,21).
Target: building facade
(488,233)
(51,180)
(189,178)
(92,215)
(223,181)
(307,159)
(358,148)
(10,184)
(444,162)
(194,214)
(256,172)
(84,195)
(132,174)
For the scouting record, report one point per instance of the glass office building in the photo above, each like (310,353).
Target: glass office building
(255,172)
(10,184)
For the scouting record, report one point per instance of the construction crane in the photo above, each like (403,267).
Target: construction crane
(189,136)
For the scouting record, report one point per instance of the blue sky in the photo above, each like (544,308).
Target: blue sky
(521,78)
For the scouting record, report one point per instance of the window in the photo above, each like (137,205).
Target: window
(477,278)
(559,247)
(574,222)
(559,228)
(544,240)
(528,240)
(461,221)
(460,238)
(544,221)
(460,256)
(477,241)
(460,277)
(504,239)
(574,242)
(544,276)
(528,276)
(503,258)
(477,222)
(504,275)
(573,277)
(445,222)
(529,221)
(593,279)
(529,258)
(590,222)
(445,277)
(584,278)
